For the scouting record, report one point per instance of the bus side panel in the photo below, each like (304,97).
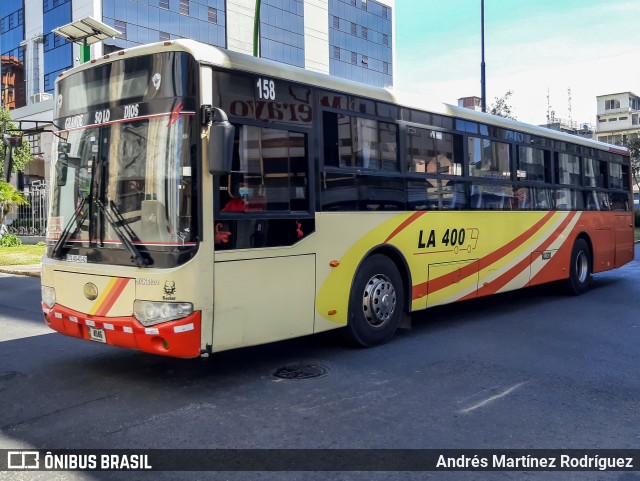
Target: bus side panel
(263,300)
(603,241)
(624,238)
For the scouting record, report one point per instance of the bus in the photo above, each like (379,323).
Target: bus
(204,200)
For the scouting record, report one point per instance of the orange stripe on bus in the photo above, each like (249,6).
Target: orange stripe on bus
(103,296)
(497,284)
(410,220)
(112,297)
(446,280)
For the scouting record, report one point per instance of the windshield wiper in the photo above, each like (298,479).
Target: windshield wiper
(125,234)
(67,233)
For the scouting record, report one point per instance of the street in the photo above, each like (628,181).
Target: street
(528,369)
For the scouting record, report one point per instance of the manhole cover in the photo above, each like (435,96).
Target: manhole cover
(301,371)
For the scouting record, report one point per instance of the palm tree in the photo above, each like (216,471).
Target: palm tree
(9,196)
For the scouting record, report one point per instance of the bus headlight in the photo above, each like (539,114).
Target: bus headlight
(48,296)
(151,312)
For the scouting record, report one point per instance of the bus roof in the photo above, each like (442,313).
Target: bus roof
(208,54)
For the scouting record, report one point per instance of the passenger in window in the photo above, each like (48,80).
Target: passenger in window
(236,202)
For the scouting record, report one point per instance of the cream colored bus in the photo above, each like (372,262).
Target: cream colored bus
(204,200)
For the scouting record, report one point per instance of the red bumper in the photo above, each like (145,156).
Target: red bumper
(179,338)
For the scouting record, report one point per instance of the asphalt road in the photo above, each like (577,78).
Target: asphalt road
(529,369)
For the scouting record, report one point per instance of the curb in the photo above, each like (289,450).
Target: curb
(31,270)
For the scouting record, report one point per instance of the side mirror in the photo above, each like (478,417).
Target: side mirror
(221,137)
(61,170)
(61,174)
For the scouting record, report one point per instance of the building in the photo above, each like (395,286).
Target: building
(351,39)
(572,127)
(618,117)
(473,103)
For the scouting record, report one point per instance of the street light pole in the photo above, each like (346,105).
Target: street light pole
(256,29)
(483,82)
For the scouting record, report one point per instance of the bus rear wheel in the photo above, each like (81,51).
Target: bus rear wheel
(376,302)
(579,269)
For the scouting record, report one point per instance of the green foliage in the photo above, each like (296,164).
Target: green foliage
(9,196)
(501,107)
(10,240)
(22,153)
(634,147)
(637,217)
(41,244)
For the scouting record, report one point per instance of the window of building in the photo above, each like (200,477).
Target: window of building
(336,22)
(354,29)
(183,7)
(488,158)
(611,104)
(336,53)
(365,33)
(634,119)
(363,4)
(634,103)
(212,15)
(163,36)
(385,67)
(354,58)
(365,60)
(164,4)
(385,39)
(121,27)
(433,152)
(360,143)
(623,118)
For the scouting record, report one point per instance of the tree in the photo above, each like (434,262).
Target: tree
(9,196)
(22,153)
(501,107)
(634,147)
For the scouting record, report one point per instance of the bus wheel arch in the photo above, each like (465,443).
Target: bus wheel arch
(378,297)
(580,266)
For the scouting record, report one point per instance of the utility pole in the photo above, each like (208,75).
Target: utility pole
(256,29)
(483,82)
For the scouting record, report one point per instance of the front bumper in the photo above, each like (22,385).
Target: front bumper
(179,338)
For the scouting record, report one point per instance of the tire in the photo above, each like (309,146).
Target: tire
(580,269)
(376,302)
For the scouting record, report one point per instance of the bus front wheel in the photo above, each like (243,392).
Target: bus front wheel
(376,302)
(579,269)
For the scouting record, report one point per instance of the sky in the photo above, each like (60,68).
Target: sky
(535,48)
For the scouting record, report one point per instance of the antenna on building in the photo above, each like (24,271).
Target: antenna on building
(548,107)
(569,95)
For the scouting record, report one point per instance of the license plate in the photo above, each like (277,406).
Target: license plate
(96,334)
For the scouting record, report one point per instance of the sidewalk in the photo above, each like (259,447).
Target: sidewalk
(32,270)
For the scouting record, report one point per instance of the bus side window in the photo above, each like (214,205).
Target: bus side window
(269,172)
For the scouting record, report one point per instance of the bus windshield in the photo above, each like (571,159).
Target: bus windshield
(123,172)
(137,169)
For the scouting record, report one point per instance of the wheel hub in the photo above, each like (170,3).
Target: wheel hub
(378,301)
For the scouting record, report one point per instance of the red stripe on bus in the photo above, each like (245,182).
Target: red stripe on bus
(442,282)
(497,284)
(410,220)
(111,299)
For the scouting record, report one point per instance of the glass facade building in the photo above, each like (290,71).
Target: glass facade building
(282,31)
(12,54)
(360,34)
(58,52)
(147,21)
